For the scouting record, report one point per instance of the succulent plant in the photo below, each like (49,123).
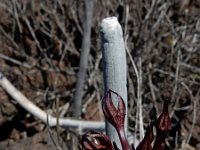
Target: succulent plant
(94,140)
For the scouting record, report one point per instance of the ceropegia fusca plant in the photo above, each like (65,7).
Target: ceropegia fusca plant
(94,140)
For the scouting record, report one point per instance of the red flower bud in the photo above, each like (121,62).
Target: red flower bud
(163,123)
(114,116)
(163,126)
(145,144)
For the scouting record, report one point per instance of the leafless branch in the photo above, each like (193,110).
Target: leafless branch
(43,116)
(85,49)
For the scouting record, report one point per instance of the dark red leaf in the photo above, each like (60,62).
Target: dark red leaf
(145,144)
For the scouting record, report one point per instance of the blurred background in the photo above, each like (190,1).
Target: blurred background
(40,50)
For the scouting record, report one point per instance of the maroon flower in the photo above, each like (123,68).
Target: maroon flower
(163,123)
(163,126)
(94,140)
(116,116)
(145,144)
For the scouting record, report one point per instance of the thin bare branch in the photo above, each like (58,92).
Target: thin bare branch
(38,113)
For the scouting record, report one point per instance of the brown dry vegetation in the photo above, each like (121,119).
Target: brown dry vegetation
(40,44)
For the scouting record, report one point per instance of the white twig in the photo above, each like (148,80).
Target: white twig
(152,88)
(33,34)
(16,15)
(174,94)
(139,102)
(15,61)
(139,88)
(190,67)
(5,7)
(194,114)
(37,112)
(150,10)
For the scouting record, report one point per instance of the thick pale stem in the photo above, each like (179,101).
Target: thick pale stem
(114,63)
